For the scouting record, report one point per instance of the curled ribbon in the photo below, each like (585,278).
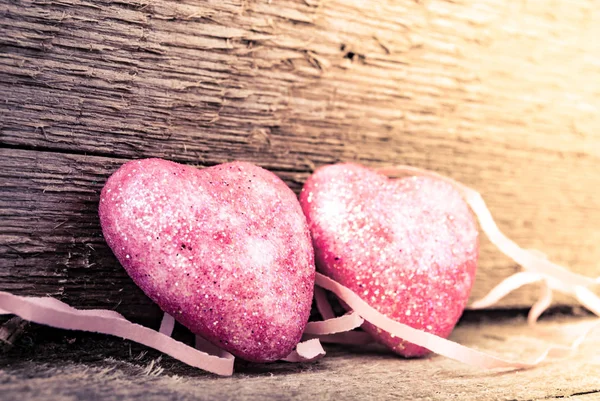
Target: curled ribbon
(206,356)
(348,322)
(52,312)
(439,345)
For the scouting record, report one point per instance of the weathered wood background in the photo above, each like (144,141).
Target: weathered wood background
(502,95)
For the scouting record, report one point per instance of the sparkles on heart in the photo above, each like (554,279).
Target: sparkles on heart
(225,250)
(408,247)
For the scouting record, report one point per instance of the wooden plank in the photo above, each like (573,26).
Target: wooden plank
(482,92)
(59,365)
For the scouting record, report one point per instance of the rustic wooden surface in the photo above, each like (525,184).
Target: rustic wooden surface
(69,366)
(501,95)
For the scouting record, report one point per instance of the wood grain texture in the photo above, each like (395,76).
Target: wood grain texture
(503,96)
(70,366)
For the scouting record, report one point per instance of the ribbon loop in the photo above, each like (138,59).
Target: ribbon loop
(349,321)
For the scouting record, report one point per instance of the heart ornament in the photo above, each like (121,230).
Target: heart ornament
(224,250)
(407,247)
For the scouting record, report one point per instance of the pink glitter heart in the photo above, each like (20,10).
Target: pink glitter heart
(225,250)
(408,247)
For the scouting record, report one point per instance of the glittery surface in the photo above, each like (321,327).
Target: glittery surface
(408,247)
(225,250)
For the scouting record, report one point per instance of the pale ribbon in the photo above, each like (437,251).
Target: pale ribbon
(206,356)
(306,351)
(52,312)
(537,268)
(167,325)
(323,305)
